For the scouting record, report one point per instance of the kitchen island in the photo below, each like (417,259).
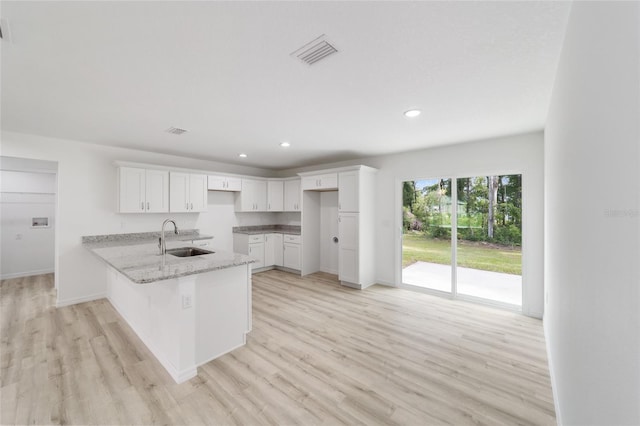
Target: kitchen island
(186,310)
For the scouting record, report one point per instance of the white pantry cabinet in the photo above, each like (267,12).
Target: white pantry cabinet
(275,196)
(356,223)
(224,183)
(292,195)
(143,190)
(349,191)
(320,182)
(252,197)
(187,192)
(348,263)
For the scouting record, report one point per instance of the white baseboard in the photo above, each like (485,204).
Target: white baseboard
(75,301)
(552,376)
(26,274)
(386,283)
(179,376)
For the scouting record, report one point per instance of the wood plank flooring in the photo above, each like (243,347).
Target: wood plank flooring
(319,353)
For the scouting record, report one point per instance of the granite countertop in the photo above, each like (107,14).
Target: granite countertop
(136,256)
(267,229)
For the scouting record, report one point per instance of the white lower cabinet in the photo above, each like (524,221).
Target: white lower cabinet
(256,250)
(273,249)
(292,253)
(267,249)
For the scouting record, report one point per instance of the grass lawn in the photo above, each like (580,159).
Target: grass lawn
(487,257)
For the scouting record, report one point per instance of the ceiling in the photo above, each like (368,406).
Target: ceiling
(121,73)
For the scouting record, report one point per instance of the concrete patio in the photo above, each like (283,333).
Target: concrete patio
(496,286)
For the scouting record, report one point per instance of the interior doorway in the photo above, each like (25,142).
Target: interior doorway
(463,237)
(28,204)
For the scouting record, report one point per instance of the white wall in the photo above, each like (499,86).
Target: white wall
(26,250)
(87,202)
(507,155)
(592,199)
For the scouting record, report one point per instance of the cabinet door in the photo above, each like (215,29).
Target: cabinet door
(216,183)
(132,190)
(256,250)
(269,250)
(292,195)
(157,191)
(260,195)
(178,192)
(348,200)
(348,261)
(291,256)
(329,181)
(234,184)
(310,182)
(275,196)
(276,241)
(197,193)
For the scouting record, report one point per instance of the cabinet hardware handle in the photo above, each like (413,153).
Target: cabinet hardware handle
(148,208)
(142,205)
(191,206)
(187,206)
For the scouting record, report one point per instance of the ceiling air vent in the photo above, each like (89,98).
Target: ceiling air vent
(5,31)
(175,131)
(315,51)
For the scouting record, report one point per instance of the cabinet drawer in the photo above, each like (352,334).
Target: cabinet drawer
(256,238)
(294,239)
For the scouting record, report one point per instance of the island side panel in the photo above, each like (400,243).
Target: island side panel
(154,312)
(223,311)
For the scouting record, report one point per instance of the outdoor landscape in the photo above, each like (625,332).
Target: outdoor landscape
(489,222)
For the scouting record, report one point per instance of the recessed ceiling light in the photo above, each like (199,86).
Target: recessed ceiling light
(243,155)
(285,144)
(412,113)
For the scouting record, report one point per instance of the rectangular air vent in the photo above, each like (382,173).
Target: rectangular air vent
(315,51)
(5,31)
(175,131)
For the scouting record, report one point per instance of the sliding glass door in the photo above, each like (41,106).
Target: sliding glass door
(464,236)
(426,248)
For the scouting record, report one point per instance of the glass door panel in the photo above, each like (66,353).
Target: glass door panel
(426,237)
(489,238)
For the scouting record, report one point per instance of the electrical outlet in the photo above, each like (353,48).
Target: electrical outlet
(187,301)
(18,236)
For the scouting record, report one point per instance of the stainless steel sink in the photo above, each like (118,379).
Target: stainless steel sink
(187,252)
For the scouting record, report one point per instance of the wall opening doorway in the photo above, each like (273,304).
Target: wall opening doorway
(28,212)
(463,236)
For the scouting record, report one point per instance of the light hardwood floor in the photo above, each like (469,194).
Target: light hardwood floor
(319,353)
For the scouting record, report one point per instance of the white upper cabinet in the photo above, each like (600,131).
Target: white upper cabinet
(323,182)
(348,191)
(142,190)
(187,192)
(252,197)
(157,191)
(198,193)
(224,183)
(275,196)
(292,195)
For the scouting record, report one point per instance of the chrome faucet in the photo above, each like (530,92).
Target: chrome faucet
(161,243)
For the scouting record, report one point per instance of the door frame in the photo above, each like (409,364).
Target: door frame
(399,231)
